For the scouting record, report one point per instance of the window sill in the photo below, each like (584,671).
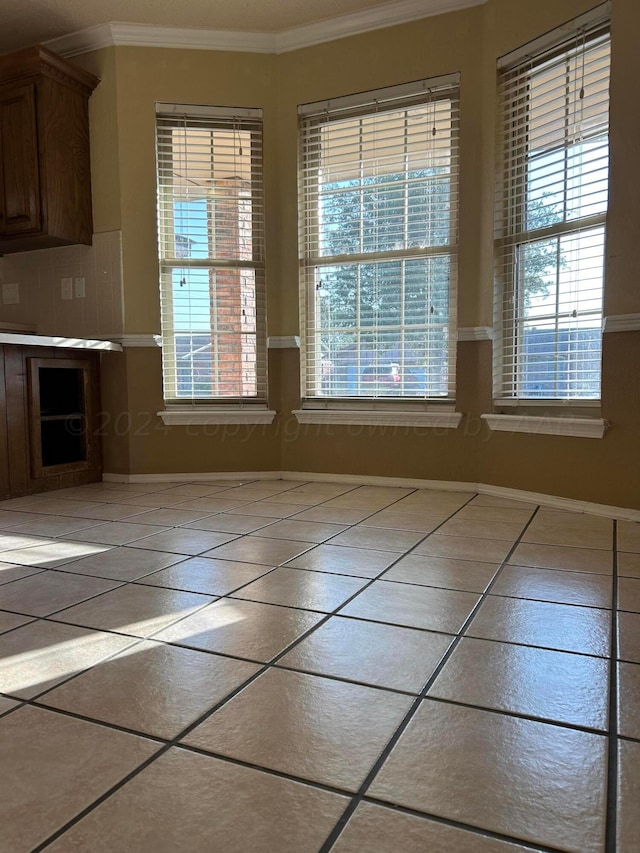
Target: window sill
(575,427)
(194,416)
(448,420)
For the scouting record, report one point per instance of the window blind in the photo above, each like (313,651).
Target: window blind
(378,189)
(211,251)
(551,208)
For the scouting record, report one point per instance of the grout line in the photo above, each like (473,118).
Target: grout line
(612,767)
(342,822)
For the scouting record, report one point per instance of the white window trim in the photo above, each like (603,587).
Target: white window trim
(575,427)
(203,415)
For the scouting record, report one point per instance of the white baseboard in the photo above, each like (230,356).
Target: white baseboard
(553,501)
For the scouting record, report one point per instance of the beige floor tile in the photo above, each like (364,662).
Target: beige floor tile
(463,548)
(137,610)
(126,564)
(11,541)
(555,535)
(369,652)
(214,504)
(556,586)
(114,533)
(47,592)
(203,805)
(501,530)
(629,536)
(530,780)
(9,621)
(10,572)
(305,725)
(327,489)
(553,686)
(160,500)
(53,554)
(81,761)
(405,521)
(264,509)
(153,688)
(442,572)
(308,590)
(364,502)
(332,515)
(629,700)
(628,823)
(62,506)
(114,512)
(173,517)
(375,829)
(413,606)
(54,525)
(202,574)
(241,628)
(493,500)
(378,539)
(568,559)
(179,541)
(259,549)
(7,705)
(507,515)
(629,594)
(302,531)
(629,637)
(302,499)
(538,623)
(225,522)
(40,655)
(342,560)
(575,520)
(13,518)
(193,490)
(629,565)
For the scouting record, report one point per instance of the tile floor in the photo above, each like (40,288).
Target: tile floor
(289,667)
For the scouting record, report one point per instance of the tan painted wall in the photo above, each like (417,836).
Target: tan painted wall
(468,41)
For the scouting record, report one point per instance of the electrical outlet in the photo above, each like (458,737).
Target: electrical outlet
(78,284)
(66,288)
(11,293)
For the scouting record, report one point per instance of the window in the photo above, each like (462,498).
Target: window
(210,225)
(551,217)
(378,240)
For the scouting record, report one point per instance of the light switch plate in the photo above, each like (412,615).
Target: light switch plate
(78,286)
(66,288)
(11,293)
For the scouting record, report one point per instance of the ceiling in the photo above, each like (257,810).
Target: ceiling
(26,22)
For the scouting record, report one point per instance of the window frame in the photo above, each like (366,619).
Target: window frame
(512,189)
(314,116)
(211,408)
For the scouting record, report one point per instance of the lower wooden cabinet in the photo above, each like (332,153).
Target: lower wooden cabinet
(48,427)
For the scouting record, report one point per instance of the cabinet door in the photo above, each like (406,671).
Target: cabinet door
(19,171)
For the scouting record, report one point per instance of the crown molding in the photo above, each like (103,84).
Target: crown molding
(388,15)
(622,323)
(187,38)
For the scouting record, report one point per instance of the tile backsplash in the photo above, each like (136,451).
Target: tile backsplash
(100,314)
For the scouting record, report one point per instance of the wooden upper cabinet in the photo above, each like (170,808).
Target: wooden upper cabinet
(45,179)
